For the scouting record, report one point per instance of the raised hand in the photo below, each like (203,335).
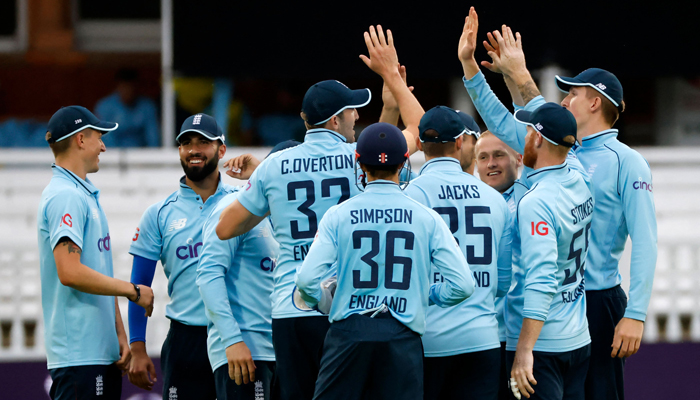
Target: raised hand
(382,55)
(509,58)
(241,167)
(467,42)
(492,46)
(387,98)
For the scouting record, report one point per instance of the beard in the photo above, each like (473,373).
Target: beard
(529,155)
(198,173)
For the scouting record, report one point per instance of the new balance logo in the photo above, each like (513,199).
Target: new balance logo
(601,86)
(177,224)
(197,119)
(539,126)
(77,121)
(383,158)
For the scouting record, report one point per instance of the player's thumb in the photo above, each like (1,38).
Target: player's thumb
(365,59)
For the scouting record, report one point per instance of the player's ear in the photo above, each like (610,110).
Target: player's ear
(459,142)
(419,144)
(222,151)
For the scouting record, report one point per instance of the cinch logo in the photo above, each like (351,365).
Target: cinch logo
(540,228)
(136,235)
(539,126)
(197,119)
(189,251)
(641,185)
(67,220)
(104,244)
(268,264)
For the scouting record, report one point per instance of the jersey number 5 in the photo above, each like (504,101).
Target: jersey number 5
(470,229)
(390,260)
(305,207)
(576,254)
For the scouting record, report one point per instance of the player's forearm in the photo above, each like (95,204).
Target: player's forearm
(411,110)
(528,334)
(80,277)
(212,287)
(514,92)
(642,269)
(119,323)
(497,117)
(470,68)
(526,85)
(390,115)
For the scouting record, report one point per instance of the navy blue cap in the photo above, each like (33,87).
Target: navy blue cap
(445,121)
(471,125)
(599,79)
(72,119)
(381,144)
(327,98)
(203,124)
(287,144)
(552,121)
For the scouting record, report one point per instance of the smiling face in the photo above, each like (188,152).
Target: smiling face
(496,162)
(346,123)
(199,156)
(93,146)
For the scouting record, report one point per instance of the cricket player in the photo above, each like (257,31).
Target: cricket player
(171,231)
(623,190)
(235,281)
(86,345)
(381,244)
(548,343)
(473,132)
(296,187)
(461,345)
(497,165)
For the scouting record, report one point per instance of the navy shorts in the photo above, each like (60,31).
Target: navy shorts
(298,346)
(606,375)
(86,382)
(371,358)
(185,364)
(463,376)
(260,389)
(558,375)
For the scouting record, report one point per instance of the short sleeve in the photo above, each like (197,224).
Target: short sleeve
(253,196)
(66,215)
(147,241)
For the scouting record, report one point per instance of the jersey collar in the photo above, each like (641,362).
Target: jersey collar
(85,184)
(444,164)
(382,186)
(599,139)
(187,191)
(508,193)
(322,134)
(548,172)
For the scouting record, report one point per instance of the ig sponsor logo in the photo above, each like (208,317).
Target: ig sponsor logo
(189,251)
(539,228)
(104,244)
(136,235)
(641,185)
(67,220)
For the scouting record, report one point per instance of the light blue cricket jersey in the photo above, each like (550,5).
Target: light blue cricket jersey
(553,220)
(297,186)
(171,231)
(480,221)
(621,186)
(383,243)
(79,327)
(235,280)
(512,197)
(624,205)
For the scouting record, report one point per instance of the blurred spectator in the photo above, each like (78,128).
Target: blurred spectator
(136,115)
(284,123)
(196,95)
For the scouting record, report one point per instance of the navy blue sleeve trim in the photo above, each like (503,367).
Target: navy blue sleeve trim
(619,167)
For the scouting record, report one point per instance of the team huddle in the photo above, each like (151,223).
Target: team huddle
(337,272)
